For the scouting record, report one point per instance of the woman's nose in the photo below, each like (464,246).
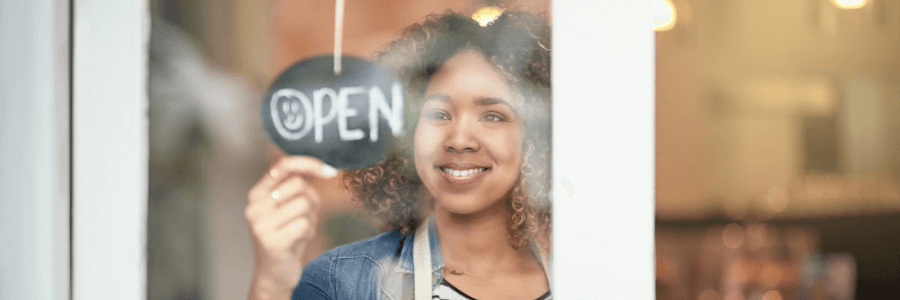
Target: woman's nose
(462,137)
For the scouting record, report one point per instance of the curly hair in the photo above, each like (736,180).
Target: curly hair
(517,44)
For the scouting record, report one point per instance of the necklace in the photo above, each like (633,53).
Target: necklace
(458,273)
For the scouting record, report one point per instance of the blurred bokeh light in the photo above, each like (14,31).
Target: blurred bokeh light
(664,14)
(487,14)
(778,124)
(850,4)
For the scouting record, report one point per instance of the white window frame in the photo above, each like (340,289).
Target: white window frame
(34,149)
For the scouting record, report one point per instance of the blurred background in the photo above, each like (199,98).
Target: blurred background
(778,126)
(210,63)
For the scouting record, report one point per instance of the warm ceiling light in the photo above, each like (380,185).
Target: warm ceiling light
(664,15)
(486,15)
(850,4)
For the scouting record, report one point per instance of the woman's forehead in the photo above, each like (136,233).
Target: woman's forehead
(468,74)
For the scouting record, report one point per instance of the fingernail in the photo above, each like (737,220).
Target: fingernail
(329,171)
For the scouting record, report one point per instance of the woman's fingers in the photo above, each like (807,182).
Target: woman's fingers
(295,209)
(290,190)
(304,165)
(293,187)
(299,229)
(284,196)
(284,168)
(282,242)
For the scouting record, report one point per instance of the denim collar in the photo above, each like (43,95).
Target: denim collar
(406,253)
(398,283)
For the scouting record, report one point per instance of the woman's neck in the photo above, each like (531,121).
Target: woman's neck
(476,244)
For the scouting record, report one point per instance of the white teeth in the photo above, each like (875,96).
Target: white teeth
(463,173)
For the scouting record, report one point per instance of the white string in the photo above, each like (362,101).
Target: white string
(338,31)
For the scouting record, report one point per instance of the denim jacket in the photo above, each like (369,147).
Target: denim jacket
(380,268)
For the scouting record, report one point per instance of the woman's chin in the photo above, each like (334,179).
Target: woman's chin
(466,207)
(461,211)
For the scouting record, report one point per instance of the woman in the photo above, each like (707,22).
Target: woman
(478,166)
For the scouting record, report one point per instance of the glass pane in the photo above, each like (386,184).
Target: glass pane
(211,63)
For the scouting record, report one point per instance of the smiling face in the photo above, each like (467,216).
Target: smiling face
(468,142)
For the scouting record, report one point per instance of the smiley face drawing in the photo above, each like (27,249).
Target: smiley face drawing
(292,111)
(293,120)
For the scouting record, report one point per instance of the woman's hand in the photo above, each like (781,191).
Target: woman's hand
(281,211)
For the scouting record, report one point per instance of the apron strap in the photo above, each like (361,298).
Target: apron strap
(422,261)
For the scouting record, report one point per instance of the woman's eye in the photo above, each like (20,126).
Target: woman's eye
(438,115)
(493,117)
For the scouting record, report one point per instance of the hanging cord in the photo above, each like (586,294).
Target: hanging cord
(338,31)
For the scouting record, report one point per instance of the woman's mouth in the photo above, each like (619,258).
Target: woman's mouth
(462,176)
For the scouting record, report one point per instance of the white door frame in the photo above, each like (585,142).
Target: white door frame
(110,149)
(603,150)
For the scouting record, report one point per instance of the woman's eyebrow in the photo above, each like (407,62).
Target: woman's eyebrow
(495,101)
(436,97)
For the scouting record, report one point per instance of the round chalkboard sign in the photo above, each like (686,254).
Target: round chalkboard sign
(346,120)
